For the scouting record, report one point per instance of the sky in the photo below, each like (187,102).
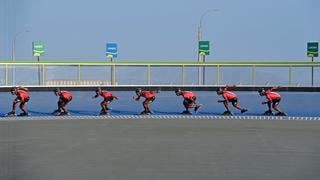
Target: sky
(166,30)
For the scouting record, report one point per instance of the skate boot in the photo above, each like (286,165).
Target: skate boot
(227,113)
(244,110)
(56,112)
(186,112)
(102,113)
(10,114)
(144,113)
(280,114)
(64,114)
(23,114)
(268,113)
(197,108)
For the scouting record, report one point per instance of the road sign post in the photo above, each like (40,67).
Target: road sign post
(37,51)
(203,50)
(312,51)
(112,52)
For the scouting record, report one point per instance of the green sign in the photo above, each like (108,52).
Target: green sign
(312,50)
(37,48)
(204,48)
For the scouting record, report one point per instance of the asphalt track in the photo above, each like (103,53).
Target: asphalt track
(147,148)
(162,146)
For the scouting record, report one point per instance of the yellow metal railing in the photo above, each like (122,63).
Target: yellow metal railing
(8,66)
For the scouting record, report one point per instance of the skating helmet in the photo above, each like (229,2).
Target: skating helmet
(219,91)
(98,89)
(56,90)
(177,90)
(261,91)
(138,90)
(12,90)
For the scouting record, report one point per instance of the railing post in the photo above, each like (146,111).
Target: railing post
(290,75)
(218,75)
(79,75)
(182,81)
(113,81)
(253,75)
(6,75)
(312,72)
(39,70)
(148,74)
(43,81)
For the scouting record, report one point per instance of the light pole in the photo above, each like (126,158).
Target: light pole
(13,55)
(199,39)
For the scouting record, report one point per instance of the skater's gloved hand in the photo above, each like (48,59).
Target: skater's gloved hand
(265,102)
(221,101)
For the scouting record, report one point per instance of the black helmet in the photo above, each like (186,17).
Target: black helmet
(261,90)
(98,89)
(12,89)
(56,90)
(219,91)
(177,90)
(138,90)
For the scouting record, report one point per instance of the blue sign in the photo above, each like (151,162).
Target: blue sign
(112,50)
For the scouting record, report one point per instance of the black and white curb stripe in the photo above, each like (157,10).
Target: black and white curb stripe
(137,117)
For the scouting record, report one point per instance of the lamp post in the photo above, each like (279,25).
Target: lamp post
(13,55)
(199,39)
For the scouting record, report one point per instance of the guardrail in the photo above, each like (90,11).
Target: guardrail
(172,88)
(151,73)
